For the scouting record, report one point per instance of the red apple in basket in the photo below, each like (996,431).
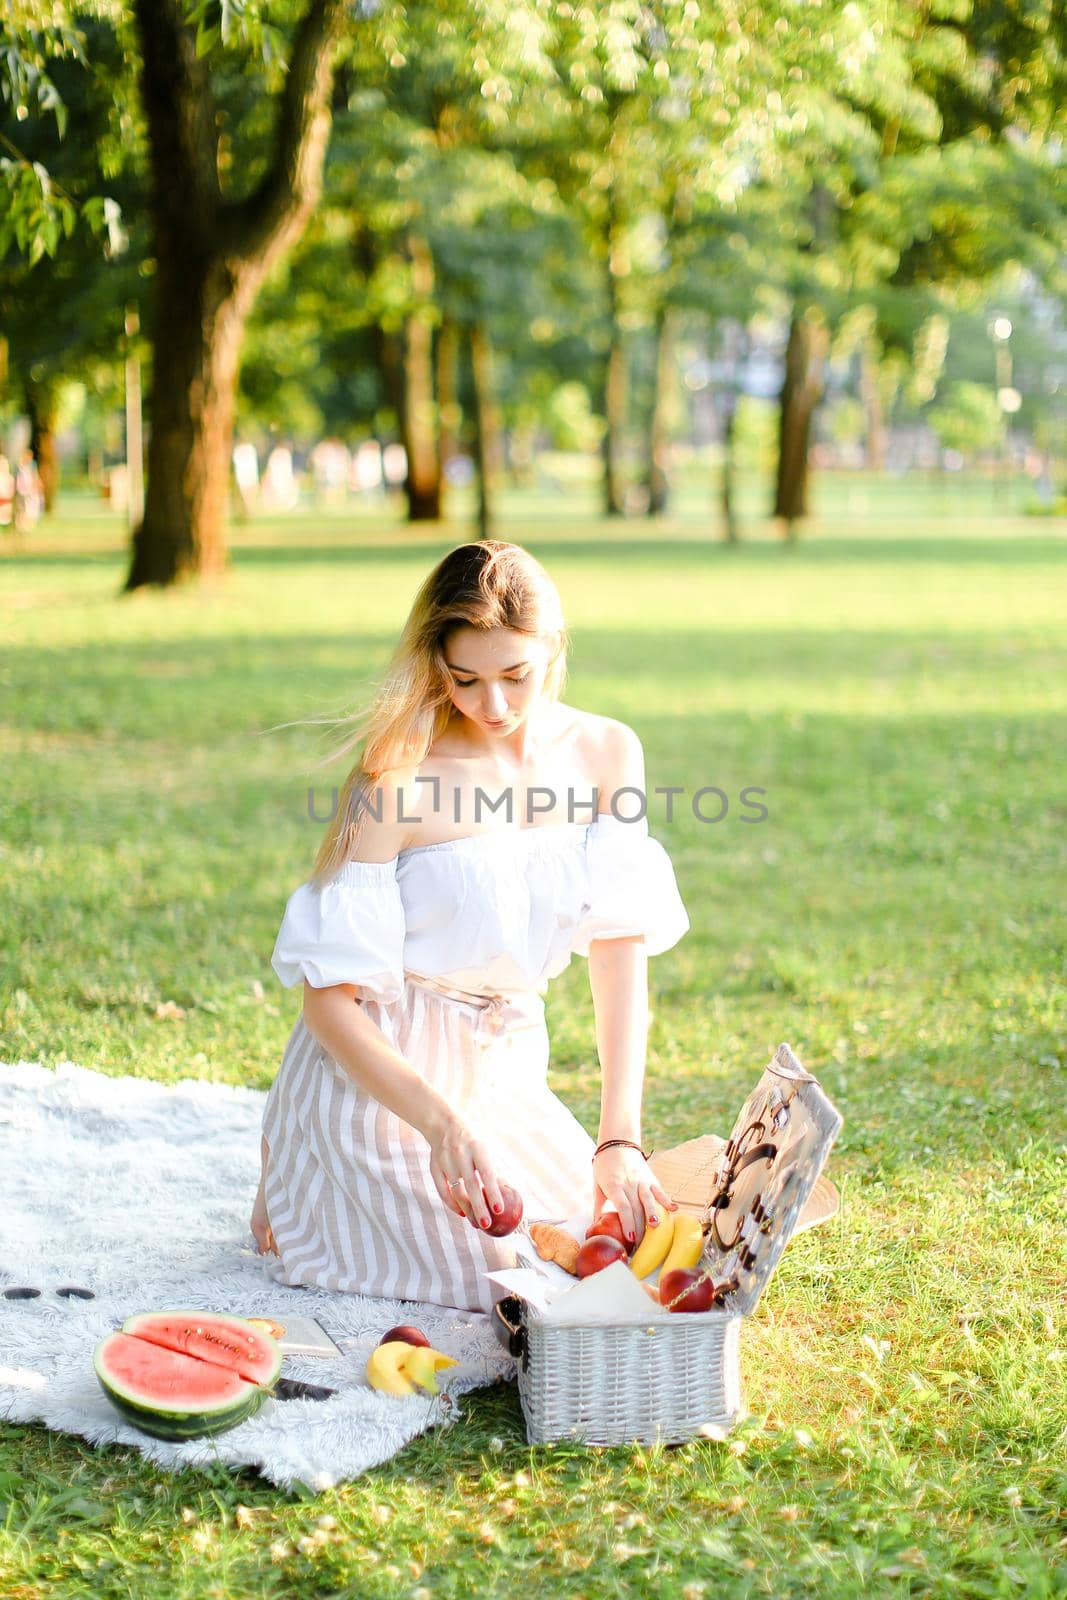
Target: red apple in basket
(406,1334)
(598,1253)
(609,1226)
(507,1220)
(697,1292)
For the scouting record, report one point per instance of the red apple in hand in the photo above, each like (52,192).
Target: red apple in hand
(406,1334)
(609,1226)
(598,1253)
(697,1292)
(507,1220)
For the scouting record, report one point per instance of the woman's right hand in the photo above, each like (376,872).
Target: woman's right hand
(459,1153)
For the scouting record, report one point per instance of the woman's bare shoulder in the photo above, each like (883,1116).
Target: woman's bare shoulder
(605,738)
(590,724)
(583,732)
(388,807)
(611,751)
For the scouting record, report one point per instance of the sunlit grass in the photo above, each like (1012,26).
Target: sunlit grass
(898,918)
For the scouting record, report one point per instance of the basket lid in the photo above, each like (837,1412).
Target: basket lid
(756,1189)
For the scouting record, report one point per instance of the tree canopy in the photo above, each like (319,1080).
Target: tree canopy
(435,217)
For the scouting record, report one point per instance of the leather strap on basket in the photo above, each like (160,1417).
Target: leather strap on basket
(761,1152)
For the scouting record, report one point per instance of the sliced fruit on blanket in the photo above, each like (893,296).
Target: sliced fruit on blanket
(230,1342)
(396,1367)
(171,1395)
(422,1364)
(385,1367)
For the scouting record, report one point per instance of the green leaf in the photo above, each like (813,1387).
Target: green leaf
(207,37)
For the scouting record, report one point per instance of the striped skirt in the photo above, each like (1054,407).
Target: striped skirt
(348,1190)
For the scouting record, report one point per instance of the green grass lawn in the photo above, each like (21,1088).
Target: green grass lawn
(897,686)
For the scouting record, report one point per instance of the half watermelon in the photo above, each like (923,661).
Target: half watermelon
(228,1341)
(183,1374)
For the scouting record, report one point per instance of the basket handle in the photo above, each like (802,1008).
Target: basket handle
(761,1152)
(510,1327)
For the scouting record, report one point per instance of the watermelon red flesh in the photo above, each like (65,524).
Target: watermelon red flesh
(229,1342)
(145,1374)
(171,1395)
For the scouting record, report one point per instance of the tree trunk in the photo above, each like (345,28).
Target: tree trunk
(659,420)
(134,420)
(449,413)
(614,420)
(418,416)
(614,374)
(802,388)
(520,451)
(417,424)
(406,363)
(730,531)
(734,340)
(409,385)
(487,430)
(212,254)
(41,407)
(197,345)
(871,396)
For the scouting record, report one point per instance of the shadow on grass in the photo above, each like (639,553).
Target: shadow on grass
(402,546)
(648,549)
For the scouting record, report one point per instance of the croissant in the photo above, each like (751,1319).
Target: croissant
(555,1244)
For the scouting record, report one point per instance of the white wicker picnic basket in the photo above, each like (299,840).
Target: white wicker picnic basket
(664,1380)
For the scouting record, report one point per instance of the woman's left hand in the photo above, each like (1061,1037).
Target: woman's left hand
(623,1181)
(262,1231)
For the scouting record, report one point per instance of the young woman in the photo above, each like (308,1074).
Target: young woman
(474,849)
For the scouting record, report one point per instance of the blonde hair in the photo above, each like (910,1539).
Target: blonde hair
(488,584)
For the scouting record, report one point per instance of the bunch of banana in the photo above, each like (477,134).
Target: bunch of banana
(676,1242)
(396,1367)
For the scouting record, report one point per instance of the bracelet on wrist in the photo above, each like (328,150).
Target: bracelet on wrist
(607,1144)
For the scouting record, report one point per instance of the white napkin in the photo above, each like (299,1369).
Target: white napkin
(611,1295)
(527,1284)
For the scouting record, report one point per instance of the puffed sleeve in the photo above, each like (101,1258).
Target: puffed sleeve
(349,931)
(631,888)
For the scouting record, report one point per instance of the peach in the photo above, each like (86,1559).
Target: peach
(508,1219)
(696,1292)
(406,1334)
(598,1253)
(609,1225)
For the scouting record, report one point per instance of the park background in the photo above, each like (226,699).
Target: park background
(749,323)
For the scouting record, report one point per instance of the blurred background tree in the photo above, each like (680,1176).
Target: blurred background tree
(479,235)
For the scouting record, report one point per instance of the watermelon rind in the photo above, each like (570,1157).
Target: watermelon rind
(188,1425)
(170,1418)
(260,1361)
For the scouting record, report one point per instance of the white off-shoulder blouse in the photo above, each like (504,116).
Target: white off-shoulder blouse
(450,948)
(490,913)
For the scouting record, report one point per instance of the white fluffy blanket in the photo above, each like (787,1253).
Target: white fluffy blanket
(141,1192)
